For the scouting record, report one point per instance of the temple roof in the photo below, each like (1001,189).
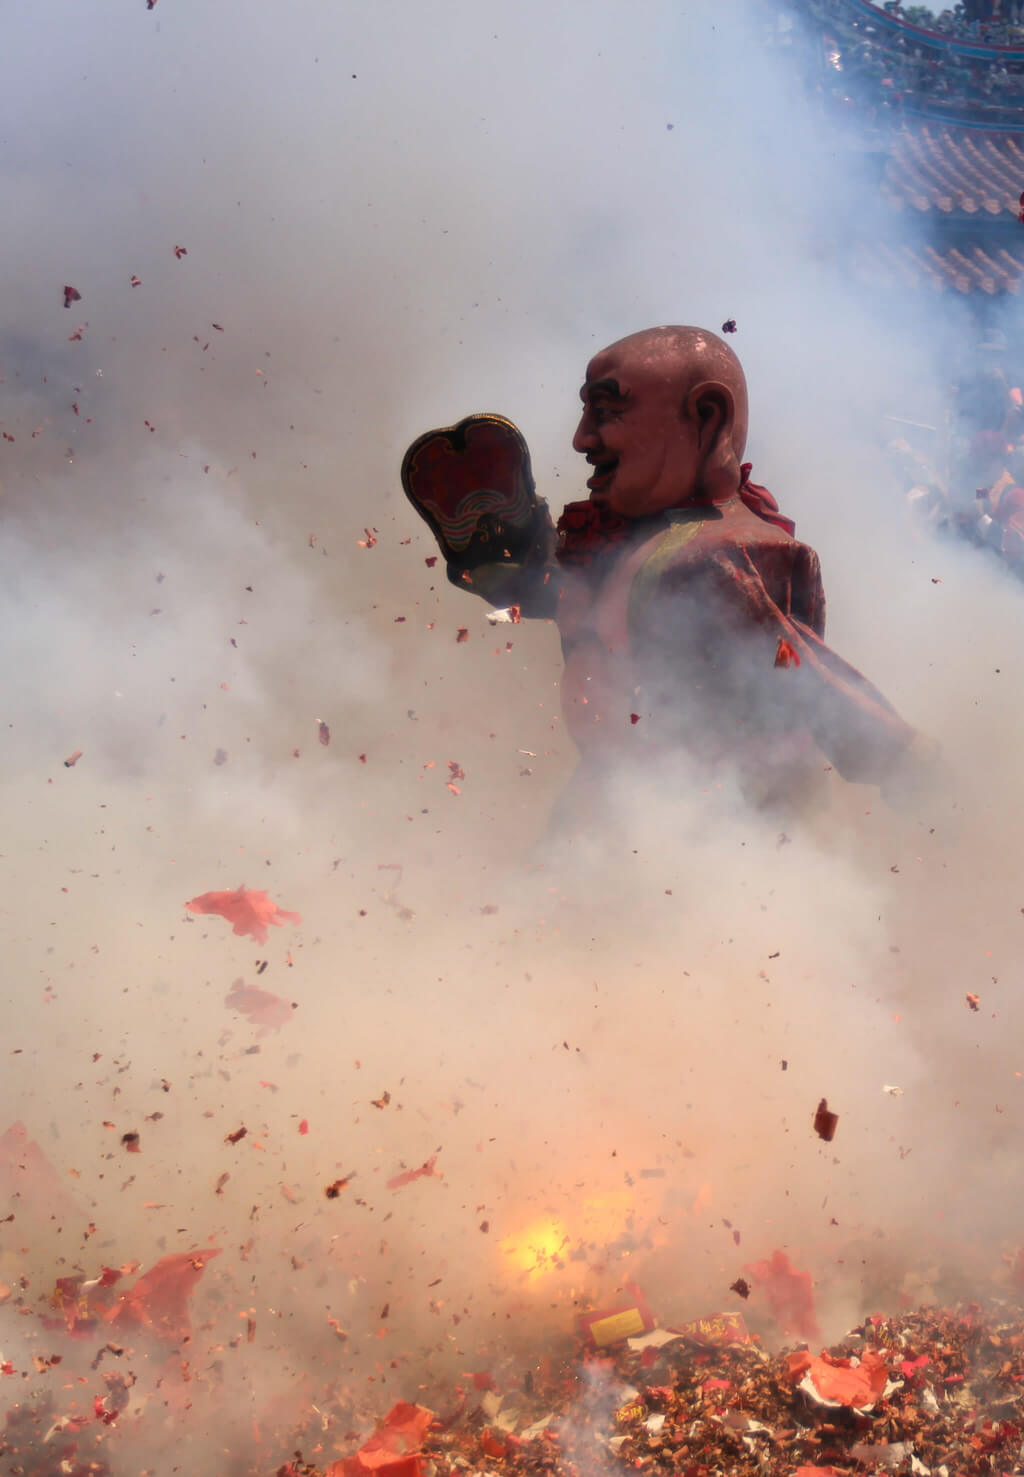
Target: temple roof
(955,172)
(942,112)
(968,267)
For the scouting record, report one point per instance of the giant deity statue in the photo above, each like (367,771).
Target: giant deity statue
(692,620)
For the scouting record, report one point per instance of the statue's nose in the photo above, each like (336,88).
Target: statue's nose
(585,438)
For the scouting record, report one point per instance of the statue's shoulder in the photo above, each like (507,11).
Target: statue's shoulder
(696,541)
(694,535)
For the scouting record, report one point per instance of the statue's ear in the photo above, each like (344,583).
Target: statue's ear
(711,407)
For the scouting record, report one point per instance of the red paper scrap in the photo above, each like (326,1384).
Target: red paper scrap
(825,1122)
(246,909)
(71,295)
(838,1380)
(790,1294)
(425,1171)
(786,655)
(28,1180)
(261,1006)
(159,1299)
(81,1302)
(387,1465)
(392,1450)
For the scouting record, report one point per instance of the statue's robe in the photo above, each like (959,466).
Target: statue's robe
(702,631)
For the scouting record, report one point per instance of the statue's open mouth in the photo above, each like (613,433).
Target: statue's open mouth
(602,474)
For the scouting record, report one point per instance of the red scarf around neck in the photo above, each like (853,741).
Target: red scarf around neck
(586,530)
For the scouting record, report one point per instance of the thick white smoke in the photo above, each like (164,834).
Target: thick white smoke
(392,216)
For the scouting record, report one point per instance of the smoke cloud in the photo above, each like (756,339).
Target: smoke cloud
(392,216)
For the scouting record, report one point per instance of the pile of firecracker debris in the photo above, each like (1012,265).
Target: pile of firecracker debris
(934,1391)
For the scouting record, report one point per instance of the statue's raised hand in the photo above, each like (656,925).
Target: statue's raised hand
(473,484)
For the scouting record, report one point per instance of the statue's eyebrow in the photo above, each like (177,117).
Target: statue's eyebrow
(606,387)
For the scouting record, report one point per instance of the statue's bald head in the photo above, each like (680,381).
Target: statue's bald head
(664,420)
(691,359)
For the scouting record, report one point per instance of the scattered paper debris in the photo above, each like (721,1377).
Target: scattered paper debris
(425,1171)
(786,655)
(248,910)
(825,1123)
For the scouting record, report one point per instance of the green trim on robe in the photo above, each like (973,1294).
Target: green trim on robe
(684,526)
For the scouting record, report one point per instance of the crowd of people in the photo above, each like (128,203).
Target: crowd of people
(991,21)
(885,70)
(974,490)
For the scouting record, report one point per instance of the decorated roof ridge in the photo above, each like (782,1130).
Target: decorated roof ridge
(937,168)
(972,117)
(958,45)
(967,268)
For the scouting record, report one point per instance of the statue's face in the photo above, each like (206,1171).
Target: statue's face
(634,433)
